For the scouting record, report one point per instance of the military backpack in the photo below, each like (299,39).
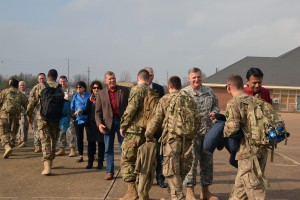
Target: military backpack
(13,102)
(264,127)
(150,103)
(52,103)
(182,116)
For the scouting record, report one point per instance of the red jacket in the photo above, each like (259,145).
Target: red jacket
(264,94)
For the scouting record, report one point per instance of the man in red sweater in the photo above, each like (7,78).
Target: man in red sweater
(254,85)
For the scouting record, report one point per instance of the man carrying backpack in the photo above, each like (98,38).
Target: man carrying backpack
(133,133)
(12,101)
(48,128)
(177,154)
(249,182)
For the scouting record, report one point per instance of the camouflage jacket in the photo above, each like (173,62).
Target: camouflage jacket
(3,93)
(236,118)
(207,102)
(134,109)
(34,98)
(159,120)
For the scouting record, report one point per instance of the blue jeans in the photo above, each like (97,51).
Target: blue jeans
(109,140)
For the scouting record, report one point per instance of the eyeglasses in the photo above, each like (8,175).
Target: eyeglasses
(96,87)
(79,87)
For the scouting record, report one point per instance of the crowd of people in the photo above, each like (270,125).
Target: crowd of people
(114,111)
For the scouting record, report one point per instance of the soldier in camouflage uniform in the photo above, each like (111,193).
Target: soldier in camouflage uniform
(173,163)
(67,130)
(247,183)
(36,138)
(22,135)
(48,131)
(9,114)
(207,106)
(134,135)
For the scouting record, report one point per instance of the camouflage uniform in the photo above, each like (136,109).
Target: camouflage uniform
(67,134)
(135,135)
(207,102)
(9,123)
(36,137)
(48,131)
(175,165)
(22,134)
(248,185)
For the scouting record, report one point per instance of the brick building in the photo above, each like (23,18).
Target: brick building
(281,77)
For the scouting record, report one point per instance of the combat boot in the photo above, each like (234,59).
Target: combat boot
(61,152)
(206,195)
(37,149)
(8,151)
(47,167)
(131,193)
(72,152)
(21,145)
(190,195)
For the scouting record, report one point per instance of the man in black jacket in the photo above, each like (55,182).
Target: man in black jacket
(160,91)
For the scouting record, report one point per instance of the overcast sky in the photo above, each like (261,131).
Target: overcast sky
(124,36)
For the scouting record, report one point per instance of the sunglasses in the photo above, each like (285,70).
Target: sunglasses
(96,87)
(79,87)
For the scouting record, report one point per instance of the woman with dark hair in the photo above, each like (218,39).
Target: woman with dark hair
(94,135)
(78,104)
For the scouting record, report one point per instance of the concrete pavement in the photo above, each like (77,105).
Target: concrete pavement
(20,175)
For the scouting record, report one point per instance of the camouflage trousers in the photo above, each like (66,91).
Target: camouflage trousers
(36,137)
(177,162)
(69,135)
(130,146)
(205,159)
(48,132)
(22,134)
(248,185)
(8,130)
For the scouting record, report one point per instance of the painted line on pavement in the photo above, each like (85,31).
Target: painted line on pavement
(294,161)
(111,185)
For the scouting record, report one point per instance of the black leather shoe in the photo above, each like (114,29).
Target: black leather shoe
(162,184)
(100,165)
(79,160)
(89,166)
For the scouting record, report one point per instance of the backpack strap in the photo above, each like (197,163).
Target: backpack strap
(259,172)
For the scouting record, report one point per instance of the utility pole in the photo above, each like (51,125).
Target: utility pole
(88,75)
(68,69)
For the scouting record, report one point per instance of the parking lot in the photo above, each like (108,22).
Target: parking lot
(20,175)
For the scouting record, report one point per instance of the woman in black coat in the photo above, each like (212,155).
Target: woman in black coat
(94,135)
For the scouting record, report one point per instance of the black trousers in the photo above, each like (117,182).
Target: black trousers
(158,170)
(92,151)
(79,129)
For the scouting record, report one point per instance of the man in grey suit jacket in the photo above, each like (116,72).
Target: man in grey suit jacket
(111,103)
(160,91)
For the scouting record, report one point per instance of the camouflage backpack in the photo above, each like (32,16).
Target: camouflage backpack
(150,102)
(183,118)
(265,127)
(13,102)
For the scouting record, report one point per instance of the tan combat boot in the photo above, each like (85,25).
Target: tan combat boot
(47,167)
(190,195)
(72,152)
(37,149)
(131,193)
(8,151)
(206,195)
(21,145)
(61,152)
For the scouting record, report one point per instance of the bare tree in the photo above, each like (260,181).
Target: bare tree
(79,77)
(124,76)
